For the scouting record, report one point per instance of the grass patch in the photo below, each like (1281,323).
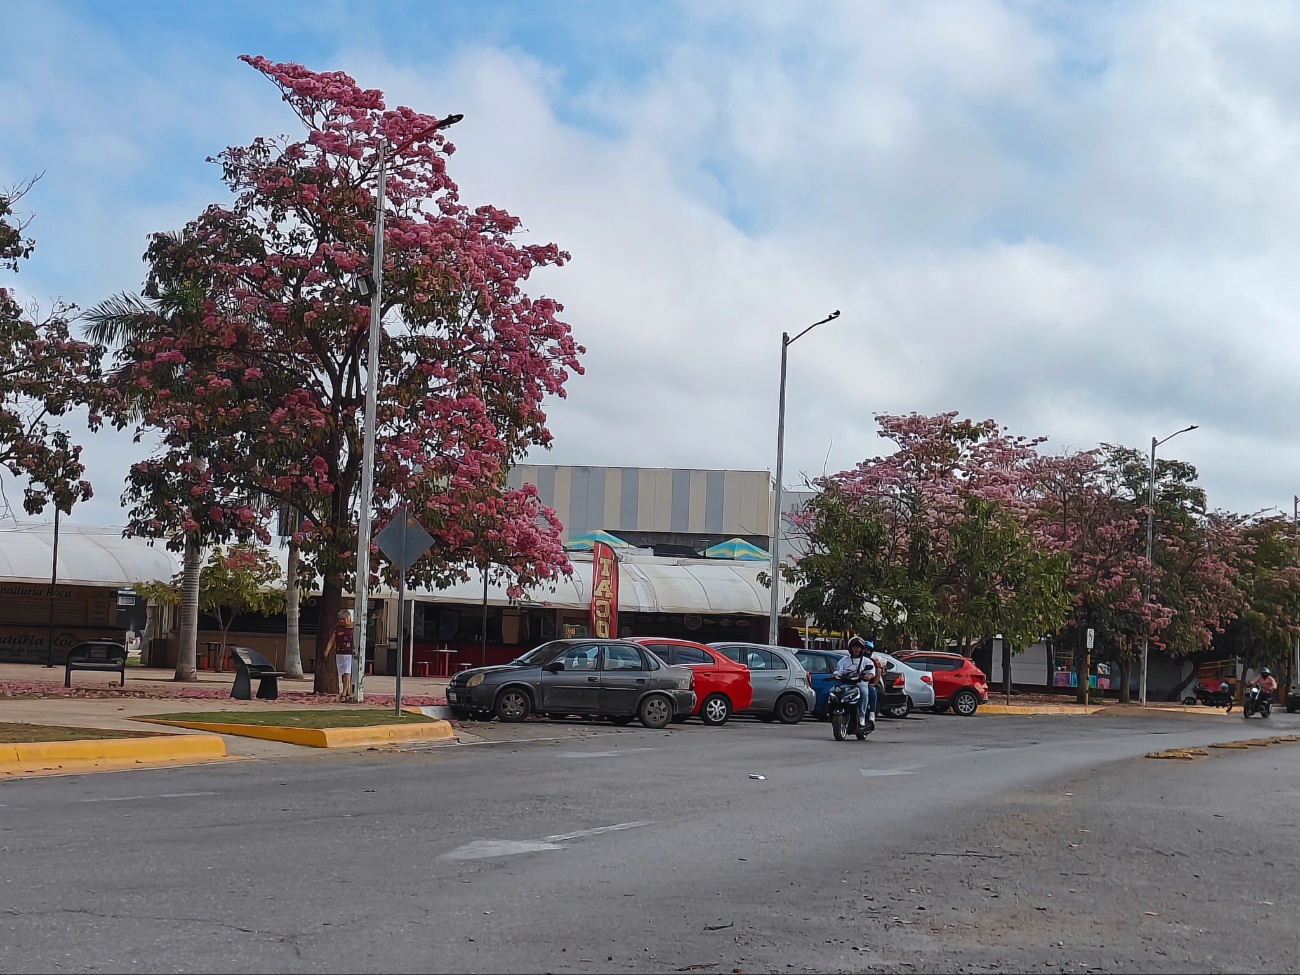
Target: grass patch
(299,717)
(17,732)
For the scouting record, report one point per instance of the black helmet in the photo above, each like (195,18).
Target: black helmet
(1266,673)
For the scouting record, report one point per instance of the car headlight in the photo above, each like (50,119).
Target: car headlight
(475,680)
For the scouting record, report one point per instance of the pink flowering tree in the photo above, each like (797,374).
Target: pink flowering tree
(934,534)
(44,372)
(259,394)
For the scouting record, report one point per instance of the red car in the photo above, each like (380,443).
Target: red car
(721,685)
(958,683)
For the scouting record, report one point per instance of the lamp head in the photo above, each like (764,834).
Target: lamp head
(363,283)
(449,121)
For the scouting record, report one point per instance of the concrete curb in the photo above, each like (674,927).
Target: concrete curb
(164,749)
(379,734)
(1081,710)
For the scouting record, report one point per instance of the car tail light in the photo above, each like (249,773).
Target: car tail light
(898,681)
(979,675)
(691,685)
(927,679)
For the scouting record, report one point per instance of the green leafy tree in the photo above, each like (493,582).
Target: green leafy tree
(243,580)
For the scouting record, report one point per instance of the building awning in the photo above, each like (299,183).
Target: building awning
(647,584)
(87,556)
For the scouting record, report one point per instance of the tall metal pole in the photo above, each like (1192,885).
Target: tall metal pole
(1151,523)
(54,578)
(401,621)
(774,622)
(1151,520)
(483,633)
(362,587)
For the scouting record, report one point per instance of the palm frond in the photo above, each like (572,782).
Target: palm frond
(118,320)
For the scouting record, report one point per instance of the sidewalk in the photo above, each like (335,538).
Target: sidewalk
(31,679)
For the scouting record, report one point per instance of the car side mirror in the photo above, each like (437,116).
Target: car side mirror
(553,668)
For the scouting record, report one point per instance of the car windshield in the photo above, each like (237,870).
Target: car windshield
(539,655)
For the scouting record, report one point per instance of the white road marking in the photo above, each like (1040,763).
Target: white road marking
(165,795)
(593,832)
(613,754)
(873,772)
(479,849)
(499,848)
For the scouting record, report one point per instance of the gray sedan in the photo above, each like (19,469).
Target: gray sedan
(781,686)
(610,678)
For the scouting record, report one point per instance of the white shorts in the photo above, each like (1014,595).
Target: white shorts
(343,661)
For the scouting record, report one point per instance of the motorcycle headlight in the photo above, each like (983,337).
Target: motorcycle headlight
(475,680)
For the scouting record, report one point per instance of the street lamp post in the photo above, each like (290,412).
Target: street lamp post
(370,288)
(774,620)
(1151,524)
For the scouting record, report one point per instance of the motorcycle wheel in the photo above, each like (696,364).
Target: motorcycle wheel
(1264,711)
(839,725)
(860,731)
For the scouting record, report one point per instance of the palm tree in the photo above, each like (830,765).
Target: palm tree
(122,320)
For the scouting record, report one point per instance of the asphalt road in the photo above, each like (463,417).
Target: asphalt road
(940,844)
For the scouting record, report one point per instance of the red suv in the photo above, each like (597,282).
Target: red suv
(721,685)
(958,683)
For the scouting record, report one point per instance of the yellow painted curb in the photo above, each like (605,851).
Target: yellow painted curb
(15,756)
(379,734)
(1079,709)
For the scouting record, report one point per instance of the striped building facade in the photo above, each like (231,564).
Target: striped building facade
(654,501)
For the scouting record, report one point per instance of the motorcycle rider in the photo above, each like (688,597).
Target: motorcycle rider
(1266,683)
(860,666)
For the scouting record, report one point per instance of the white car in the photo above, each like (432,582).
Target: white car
(917,684)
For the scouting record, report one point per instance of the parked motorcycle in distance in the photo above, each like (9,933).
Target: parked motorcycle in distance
(842,709)
(1256,702)
(1219,696)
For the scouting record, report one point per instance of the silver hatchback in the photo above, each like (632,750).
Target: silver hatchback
(781,686)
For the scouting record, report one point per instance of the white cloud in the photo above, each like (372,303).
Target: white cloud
(1082,228)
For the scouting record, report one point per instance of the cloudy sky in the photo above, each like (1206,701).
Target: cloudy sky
(1079,219)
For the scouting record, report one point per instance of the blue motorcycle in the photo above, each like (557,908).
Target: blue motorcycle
(842,710)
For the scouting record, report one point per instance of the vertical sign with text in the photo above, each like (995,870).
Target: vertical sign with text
(604,592)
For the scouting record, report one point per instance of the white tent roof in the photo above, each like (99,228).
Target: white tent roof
(92,556)
(647,584)
(87,556)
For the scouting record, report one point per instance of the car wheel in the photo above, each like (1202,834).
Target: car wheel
(512,705)
(901,711)
(715,710)
(965,702)
(655,712)
(791,709)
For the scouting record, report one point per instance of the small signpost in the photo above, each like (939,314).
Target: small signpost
(403,542)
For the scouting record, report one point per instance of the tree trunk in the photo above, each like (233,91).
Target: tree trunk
(292,648)
(1125,673)
(188,651)
(1006,668)
(331,600)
